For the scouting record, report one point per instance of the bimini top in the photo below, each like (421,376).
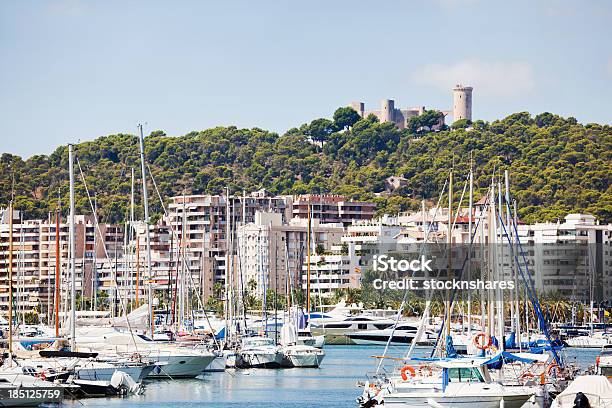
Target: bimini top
(473,361)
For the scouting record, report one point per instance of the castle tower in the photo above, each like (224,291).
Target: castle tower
(387,110)
(358,107)
(462,102)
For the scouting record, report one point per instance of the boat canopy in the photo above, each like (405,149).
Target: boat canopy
(597,389)
(470,361)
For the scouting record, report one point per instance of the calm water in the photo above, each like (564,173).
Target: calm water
(332,385)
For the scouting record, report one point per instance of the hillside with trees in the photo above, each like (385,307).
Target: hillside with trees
(556,165)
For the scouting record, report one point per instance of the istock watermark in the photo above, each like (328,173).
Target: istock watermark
(384,263)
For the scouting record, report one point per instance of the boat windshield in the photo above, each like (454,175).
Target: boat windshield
(465,374)
(258,342)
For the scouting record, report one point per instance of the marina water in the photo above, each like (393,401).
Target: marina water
(331,385)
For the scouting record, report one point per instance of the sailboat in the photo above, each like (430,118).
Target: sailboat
(446,383)
(475,380)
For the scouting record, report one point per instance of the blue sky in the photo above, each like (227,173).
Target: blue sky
(74,70)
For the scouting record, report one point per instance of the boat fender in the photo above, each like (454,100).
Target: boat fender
(407,368)
(484,344)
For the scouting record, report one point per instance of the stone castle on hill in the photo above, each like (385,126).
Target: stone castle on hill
(462,109)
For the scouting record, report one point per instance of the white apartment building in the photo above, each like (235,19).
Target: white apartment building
(573,257)
(271,253)
(332,271)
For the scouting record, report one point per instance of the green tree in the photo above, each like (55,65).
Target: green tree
(345,117)
(461,123)
(319,130)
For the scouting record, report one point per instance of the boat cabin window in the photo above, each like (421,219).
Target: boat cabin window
(338,325)
(406,328)
(259,342)
(382,326)
(28,370)
(465,374)
(145,338)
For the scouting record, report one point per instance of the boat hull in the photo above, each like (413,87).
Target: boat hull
(311,360)
(259,360)
(483,401)
(177,366)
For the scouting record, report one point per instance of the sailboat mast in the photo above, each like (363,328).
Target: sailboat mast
(516,314)
(145,199)
(181,297)
(131,239)
(71,247)
(57,269)
(94,281)
(501,272)
(469,265)
(228,280)
(10,281)
(449,249)
(308,265)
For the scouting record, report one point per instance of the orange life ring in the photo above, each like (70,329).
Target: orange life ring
(527,375)
(553,366)
(407,368)
(484,345)
(425,366)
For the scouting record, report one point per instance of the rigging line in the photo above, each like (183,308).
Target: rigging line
(460,202)
(200,303)
(531,291)
(97,227)
(404,299)
(454,292)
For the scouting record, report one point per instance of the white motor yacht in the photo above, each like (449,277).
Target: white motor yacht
(403,333)
(259,352)
(461,382)
(171,361)
(335,331)
(596,340)
(295,354)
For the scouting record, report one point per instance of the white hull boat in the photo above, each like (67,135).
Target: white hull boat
(259,352)
(170,360)
(598,340)
(218,364)
(461,382)
(301,356)
(403,334)
(335,332)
